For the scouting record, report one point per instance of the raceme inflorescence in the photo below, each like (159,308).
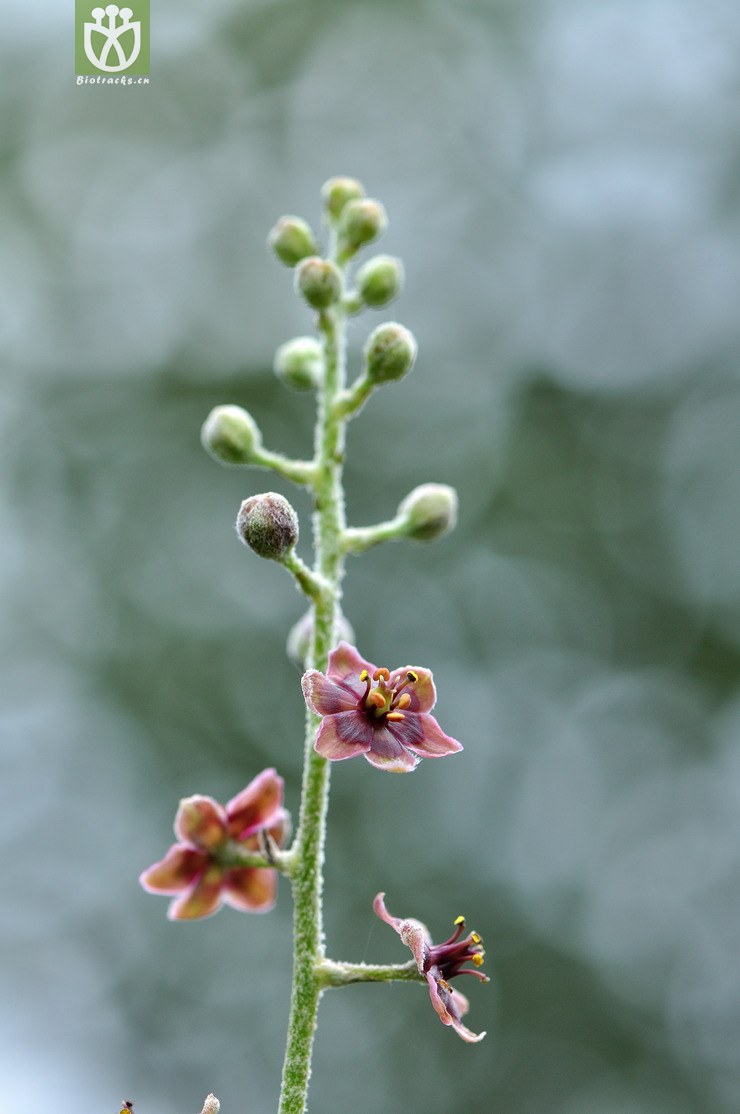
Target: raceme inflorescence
(234,853)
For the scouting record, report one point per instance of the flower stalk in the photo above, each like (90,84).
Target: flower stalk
(307,879)
(233,853)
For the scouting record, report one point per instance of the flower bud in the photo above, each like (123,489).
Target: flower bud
(390,352)
(268,524)
(337,192)
(362,222)
(299,638)
(300,363)
(430,511)
(380,279)
(211,1105)
(231,435)
(292,239)
(318,281)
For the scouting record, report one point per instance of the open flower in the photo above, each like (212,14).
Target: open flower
(438,963)
(203,867)
(370,711)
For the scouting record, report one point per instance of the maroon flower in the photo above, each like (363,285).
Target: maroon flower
(369,711)
(198,867)
(438,963)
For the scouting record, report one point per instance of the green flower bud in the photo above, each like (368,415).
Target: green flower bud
(362,222)
(390,352)
(380,279)
(430,511)
(268,524)
(292,240)
(299,639)
(231,435)
(318,281)
(300,363)
(337,192)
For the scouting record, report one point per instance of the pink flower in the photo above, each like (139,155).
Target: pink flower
(369,711)
(438,963)
(200,868)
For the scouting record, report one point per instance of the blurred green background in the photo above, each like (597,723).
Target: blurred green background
(563,184)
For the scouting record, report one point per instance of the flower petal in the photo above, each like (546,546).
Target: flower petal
(251,889)
(387,753)
(326,697)
(382,912)
(345,663)
(422,734)
(202,900)
(343,736)
(256,805)
(201,822)
(451,1005)
(175,872)
(422,691)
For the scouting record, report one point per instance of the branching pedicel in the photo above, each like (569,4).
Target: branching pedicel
(233,853)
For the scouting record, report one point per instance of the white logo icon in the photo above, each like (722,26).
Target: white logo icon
(111,33)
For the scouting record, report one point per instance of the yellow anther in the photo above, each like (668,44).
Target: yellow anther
(411,676)
(394,717)
(475,938)
(459,920)
(376,698)
(364,675)
(478,959)
(382,672)
(403,701)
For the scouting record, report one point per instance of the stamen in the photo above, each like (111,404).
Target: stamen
(459,920)
(478,959)
(394,717)
(476,938)
(376,699)
(403,701)
(364,675)
(412,677)
(382,672)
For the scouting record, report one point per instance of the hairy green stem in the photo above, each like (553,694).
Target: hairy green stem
(333,973)
(307,872)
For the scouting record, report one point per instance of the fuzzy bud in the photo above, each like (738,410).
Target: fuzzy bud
(268,524)
(299,638)
(231,435)
(211,1105)
(390,352)
(292,239)
(300,363)
(362,222)
(380,279)
(430,511)
(337,192)
(318,281)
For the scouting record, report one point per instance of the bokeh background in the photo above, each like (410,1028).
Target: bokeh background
(563,183)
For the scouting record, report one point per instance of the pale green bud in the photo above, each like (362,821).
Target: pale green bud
(300,363)
(430,511)
(231,435)
(362,222)
(390,352)
(268,524)
(299,638)
(318,281)
(380,279)
(292,239)
(337,192)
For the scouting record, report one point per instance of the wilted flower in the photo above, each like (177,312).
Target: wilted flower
(200,868)
(370,711)
(438,963)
